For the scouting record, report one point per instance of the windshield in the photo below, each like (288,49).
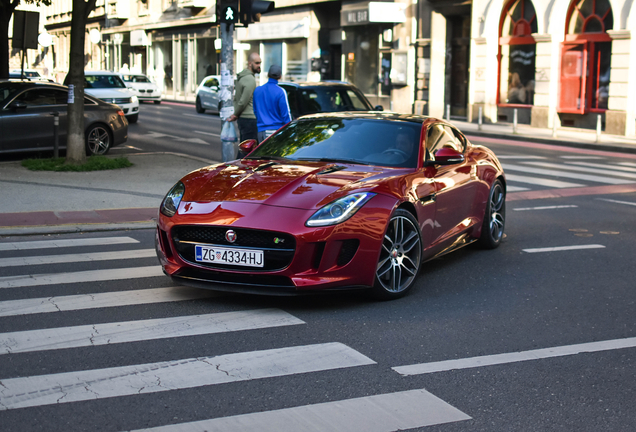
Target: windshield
(103,81)
(6,91)
(345,140)
(331,99)
(136,78)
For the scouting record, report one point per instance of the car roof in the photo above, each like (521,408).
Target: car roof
(91,73)
(374,115)
(318,84)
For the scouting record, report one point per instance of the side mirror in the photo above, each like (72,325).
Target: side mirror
(447,156)
(247,146)
(378,108)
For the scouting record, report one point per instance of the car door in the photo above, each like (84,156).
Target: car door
(29,117)
(455,185)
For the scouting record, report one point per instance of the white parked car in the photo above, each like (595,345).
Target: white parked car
(208,94)
(143,87)
(109,87)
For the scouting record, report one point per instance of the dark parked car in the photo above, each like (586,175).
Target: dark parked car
(26,118)
(327,96)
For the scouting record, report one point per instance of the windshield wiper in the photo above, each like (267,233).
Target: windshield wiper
(270,158)
(335,160)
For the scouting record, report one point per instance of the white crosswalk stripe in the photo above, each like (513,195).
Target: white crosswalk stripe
(563,173)
(173,375)
(47,244)
(69,258)
(101,300)
(572,167)
(131,331)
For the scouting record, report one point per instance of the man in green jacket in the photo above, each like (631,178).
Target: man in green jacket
(243,110)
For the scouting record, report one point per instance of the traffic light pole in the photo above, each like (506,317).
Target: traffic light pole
(227,88)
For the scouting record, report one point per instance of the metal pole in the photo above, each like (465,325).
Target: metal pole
(227,88)
(514,121)
(554,125)
(480,118)
(56,135)
(598,128)
(448,112)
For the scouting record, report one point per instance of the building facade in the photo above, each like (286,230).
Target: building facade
(564,63)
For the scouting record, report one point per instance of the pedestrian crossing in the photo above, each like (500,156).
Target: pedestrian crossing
(57,316)
(525,173)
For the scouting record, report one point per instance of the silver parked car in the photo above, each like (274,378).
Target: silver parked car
(26,120)
(208,94)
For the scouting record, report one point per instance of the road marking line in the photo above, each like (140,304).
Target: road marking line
(612,167)
(68,258)
(545,207)
(142,330)
(554,173)
(522,157)
(173,375)
(541,181)
(496,359)
(379,413)
(631,164)
(581,157)
(564,248)
(573,167)
(102,300)
(617,201)
(208,133)
(82,276)
(46,244)
(516,189)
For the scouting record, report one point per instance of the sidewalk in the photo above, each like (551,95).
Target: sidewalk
(44,202)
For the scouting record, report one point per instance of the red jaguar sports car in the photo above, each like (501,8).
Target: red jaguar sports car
(333,201)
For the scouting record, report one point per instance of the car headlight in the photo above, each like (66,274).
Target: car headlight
(339,210)
(135,99)
(171,202)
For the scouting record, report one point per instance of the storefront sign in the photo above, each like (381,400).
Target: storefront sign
(139,38)
(274,30)
(374,12)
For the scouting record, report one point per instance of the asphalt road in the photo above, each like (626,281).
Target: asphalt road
(541,329)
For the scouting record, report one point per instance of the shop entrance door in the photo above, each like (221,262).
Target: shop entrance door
(457,73)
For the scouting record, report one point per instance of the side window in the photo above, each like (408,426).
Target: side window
(38,97)
(441,136)
(356,102)
(292,100)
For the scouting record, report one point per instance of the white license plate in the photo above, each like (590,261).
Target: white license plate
(231,256)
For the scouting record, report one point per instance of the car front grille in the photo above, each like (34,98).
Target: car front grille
(278,248)
(118,100)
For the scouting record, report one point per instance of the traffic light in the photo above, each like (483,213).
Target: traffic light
(251,10)
(227,11)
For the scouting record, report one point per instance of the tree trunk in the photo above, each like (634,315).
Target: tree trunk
(76,143)
(6,10)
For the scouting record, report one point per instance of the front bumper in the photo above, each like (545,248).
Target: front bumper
(337,257)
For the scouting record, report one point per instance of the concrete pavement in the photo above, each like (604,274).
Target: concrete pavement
(40,202)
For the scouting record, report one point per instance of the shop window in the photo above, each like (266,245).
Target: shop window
(517,53)
(296,60)
(272,55)
(586,57)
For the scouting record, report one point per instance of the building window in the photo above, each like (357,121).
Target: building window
(517,53)
(586,57)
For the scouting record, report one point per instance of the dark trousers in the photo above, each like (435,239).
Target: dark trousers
(247,128)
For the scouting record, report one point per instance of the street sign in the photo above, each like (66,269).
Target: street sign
(25,29)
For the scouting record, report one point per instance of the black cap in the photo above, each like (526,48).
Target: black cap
(275,72)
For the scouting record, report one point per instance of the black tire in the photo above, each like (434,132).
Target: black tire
(157,102)
(492,229)
(133,118)
(198,106)
(400,257)
(98,140)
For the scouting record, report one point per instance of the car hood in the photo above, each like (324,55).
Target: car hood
(102,93)
(292,185)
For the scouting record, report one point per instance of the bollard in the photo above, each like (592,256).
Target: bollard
(448,112)
(514,121)
(56,134)
(598,128)
(554,125)
(480,118)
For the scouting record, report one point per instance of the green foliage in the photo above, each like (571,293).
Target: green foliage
(93,163)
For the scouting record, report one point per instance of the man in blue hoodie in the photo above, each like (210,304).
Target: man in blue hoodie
(270,105)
